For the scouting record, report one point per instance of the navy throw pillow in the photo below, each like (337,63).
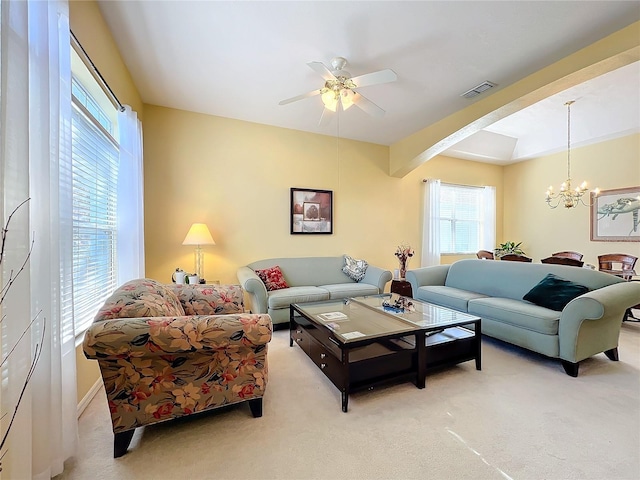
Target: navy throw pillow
(554,292)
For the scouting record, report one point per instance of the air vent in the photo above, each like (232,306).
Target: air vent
(478,89)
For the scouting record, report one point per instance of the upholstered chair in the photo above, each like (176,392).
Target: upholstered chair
(166,351)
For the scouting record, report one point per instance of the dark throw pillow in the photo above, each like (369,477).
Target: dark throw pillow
(354,269)
(272,278)
(554,292)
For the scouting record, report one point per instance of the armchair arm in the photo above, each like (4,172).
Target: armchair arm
(419,277)
(377,276)
(255,288)
(149,336)
(591,323)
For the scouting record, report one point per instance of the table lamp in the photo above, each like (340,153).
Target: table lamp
(199,235)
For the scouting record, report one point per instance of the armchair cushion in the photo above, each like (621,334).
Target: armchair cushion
(141,298)
(209,299)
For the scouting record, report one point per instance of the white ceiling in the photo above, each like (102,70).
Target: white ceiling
(238,59)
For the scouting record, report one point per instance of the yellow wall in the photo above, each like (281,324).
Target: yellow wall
(235,176)
(90,29)
(527,218)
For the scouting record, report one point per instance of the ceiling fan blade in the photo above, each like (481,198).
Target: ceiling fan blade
(367,105)
(325,118)
(321,68)
(300,97)
(375,78)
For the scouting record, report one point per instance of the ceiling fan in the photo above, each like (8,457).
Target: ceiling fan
(340,89)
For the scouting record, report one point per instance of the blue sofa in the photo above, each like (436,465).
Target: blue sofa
(309,279)
(494,291)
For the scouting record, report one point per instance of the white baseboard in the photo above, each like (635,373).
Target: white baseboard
(84,403)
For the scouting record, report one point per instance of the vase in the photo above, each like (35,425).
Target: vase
(403,268)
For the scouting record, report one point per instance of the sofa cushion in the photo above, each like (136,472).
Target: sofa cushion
(355,269)
(346,290)
(554,292)
(517,313)
(272,278)
(141,298)
(446,296)
(285,297)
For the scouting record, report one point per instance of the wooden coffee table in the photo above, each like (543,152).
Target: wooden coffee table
(362,342)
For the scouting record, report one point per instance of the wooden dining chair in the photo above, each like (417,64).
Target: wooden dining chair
(512,257)
(485,255)
(563,261)
(620,264)
(568,254)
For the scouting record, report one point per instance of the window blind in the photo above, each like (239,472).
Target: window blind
(94,186)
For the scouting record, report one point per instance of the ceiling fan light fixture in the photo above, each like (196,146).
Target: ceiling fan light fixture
(346,97)
(330,100)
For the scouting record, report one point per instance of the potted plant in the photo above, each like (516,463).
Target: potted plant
(508,247)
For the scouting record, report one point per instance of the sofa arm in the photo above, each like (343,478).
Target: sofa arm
(255,287)
(591,323)
(143,337)
(435,275)
(377,276)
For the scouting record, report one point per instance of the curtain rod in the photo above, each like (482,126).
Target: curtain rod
(95,72)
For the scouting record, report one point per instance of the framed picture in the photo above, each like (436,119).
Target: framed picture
(311,211)
(615,215)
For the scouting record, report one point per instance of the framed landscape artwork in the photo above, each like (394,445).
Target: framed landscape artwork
(311,211)
(615,215)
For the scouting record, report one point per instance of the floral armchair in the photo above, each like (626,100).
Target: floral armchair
(166,351)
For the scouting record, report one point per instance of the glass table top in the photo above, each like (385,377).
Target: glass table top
(352,321)
(376,316)
(423,315)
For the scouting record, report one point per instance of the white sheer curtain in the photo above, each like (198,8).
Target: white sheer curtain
(431,224)
(130,198)
(489,219)
(35,147)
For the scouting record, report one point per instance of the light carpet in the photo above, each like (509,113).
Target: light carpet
(521,417)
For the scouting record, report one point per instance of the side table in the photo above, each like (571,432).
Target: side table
(401,287)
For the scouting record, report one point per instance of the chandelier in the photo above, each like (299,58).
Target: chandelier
(567,196)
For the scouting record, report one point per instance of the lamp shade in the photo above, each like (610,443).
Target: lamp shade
(198,235)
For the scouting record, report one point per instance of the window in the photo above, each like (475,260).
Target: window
(95,157)
(467,218)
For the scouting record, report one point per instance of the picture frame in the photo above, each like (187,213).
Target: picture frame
(615,215)
(311,211)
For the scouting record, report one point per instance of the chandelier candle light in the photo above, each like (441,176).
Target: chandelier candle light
(199,235)
(568,197)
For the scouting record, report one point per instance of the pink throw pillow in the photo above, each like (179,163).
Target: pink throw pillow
(272,278)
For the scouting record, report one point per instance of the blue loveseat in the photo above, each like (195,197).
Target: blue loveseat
(309,279)
(494,290)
